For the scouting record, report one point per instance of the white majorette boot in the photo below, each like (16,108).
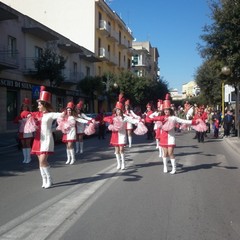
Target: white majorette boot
(81,147)
(24,155)
(173,162)
(157,143)
(165,170)
(49,179)
(77,144)
(160,151)
(72,153)
(118,161)
(28,155)
(68,156)
(130,141)
(44,177)
(123,161)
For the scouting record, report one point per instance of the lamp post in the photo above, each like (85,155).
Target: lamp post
(226,71)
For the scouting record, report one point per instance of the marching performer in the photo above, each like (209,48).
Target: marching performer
(81,127)
(148,121)
(67,124)
(167,134)
(158,125)
(129,125)
(117,125)
(25,138)
(43,144)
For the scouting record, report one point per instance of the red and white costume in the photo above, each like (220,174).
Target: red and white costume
(43,140)
(167,131)
(80,126)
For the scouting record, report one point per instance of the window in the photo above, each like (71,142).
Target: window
(135,60)
(12,46)
(38,52)
(87,71)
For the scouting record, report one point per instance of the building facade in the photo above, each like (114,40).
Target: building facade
(145,60)
(92,24)
(21,43)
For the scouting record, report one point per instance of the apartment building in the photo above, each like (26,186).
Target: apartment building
(145,60)
(190,89)
(89,23)
(22,41)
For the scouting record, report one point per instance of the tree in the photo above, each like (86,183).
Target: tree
(50,67)
(222,37)
(207,78)
(141,90)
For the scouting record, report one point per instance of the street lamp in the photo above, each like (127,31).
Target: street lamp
(225,71)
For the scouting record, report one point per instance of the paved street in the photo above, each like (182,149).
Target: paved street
(91,200)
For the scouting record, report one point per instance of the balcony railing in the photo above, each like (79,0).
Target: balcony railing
(9,59)
(103,53)
(71,77)
(29,66)
(104,27)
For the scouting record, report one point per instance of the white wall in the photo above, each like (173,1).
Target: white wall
(74,19)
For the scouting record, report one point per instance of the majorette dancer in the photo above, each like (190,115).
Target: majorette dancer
(118,127)
(129,126)
(167,134)
(81,127)
(67,124)
(43,144)
(25,138)
(148,121)
(158,125)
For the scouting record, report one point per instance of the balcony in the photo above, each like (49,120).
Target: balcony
(29,66)
(71,77)
(123,44)
(8,59)
(104,28)
(112,61)
(103,54)
(113,36)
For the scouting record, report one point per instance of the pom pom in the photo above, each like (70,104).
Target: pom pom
(200,127)
(30,125)
(141,129)
(90,129)
(169,124)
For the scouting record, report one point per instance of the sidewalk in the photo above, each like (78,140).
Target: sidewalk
(234,142)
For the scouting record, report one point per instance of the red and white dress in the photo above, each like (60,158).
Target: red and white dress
(80,126)
(22,122)
(118,128)
(167,132)
(43,141)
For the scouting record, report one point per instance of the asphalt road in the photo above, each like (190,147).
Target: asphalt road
(92,201)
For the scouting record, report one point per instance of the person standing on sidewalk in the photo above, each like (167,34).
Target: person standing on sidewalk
(228,123)
(167,135)
(43,144)
(25,138)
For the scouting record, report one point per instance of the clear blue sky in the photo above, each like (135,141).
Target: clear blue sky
(173,27)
